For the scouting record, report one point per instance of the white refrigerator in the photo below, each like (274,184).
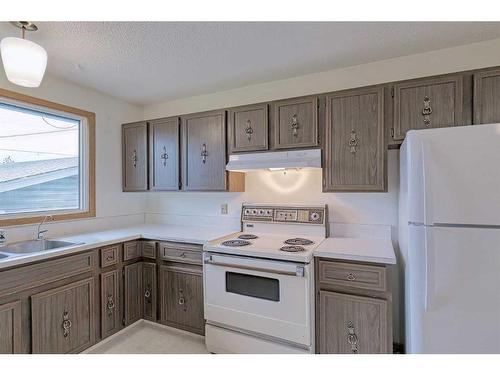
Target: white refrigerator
(449,233)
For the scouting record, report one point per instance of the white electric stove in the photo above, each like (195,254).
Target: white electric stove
(259,283)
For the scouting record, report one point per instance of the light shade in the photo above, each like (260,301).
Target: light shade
(24,61)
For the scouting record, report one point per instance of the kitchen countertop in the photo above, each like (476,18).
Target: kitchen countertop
(362,250)
(160,232)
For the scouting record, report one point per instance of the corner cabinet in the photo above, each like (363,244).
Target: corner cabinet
(355,154)
(164,154)
(135,156)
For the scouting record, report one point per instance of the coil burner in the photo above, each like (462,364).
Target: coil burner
(299,241)
(247,237)
(236,243)
(292,248)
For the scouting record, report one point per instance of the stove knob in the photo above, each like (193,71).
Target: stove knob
(314,216)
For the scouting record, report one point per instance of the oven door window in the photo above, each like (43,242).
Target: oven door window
(253,286)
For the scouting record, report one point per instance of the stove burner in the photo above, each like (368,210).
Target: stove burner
(292,248)
(236,243)
(247,237)
(299,241)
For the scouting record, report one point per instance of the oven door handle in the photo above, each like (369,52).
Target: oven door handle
(299,270)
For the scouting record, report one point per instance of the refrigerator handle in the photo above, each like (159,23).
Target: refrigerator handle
(426,176)
(429,270)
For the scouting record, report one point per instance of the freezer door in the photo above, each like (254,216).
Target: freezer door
(461,175)
(455,291)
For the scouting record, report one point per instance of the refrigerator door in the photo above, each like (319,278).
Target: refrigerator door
(454,290)
(460,175)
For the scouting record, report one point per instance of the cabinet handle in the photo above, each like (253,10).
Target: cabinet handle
(183,255)
(353,141)
(295,126)
(181,300)
(204,153)
(110,305)
(426,111)
(134,158)
(147,293)
(66,324)
(352,339)
(249,130)
(351,277)
(164,156)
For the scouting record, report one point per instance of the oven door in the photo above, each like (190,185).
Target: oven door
(271,298)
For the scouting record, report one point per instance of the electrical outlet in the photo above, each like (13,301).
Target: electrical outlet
(223,209)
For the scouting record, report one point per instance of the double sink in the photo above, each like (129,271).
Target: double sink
(33,246)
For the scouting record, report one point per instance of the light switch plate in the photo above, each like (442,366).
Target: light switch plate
(224,209)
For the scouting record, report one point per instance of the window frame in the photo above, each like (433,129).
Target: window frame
(87,166)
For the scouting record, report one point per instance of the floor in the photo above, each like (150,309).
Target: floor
(145,337)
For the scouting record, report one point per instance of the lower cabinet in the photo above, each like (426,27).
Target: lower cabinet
(110,297)
(132,290)
(181,298)
(63,318)
(149,291)
(10,328)
(352,324)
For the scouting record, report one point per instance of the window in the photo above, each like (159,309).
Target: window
(46,160)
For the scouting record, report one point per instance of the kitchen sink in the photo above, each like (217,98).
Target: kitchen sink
(2,256)
(35,246)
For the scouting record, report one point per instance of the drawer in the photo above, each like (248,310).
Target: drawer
(131,250)
(181,254)
(352,275)
(27,277)
(149,249)
(109,255)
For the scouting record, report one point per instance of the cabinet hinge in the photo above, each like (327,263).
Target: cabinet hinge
(123,271)
(123,321)
(319,139)
(392,132)
(392,92)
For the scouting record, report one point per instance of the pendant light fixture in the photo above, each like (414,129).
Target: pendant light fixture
(23,60)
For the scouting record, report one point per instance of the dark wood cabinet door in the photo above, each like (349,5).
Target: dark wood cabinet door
(296,122)
(133,292)
(135,156)
(204,151)
(248,128)
(352,324)
(487,97)
(181,292)
(63,318)
(164,154)
(149,291)
(355,148)
(427,103)
(110,303)
(10,328)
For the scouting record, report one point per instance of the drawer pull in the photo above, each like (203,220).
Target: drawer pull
(352,338)
(66,324)
(351,277)
(147,293)
(181,300)
(110,257)
(183,255)
(295,126)
(110,305)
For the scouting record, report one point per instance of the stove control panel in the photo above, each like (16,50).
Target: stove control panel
(284,214)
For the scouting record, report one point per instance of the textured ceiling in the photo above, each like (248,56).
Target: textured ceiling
(145,62)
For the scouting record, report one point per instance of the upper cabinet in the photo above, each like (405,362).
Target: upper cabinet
(135,156)
(487,97)
(164,154)
(204,151)
(296,122)
(248,128)
(428,103)
(355,148)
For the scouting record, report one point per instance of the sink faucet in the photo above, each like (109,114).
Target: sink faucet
(41,232)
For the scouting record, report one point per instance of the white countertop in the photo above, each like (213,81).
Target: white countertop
(363,250)
(159,232)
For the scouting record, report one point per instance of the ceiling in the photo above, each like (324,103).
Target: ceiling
(146,62)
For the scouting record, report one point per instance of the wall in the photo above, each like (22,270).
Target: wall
(365,214)
(113,208)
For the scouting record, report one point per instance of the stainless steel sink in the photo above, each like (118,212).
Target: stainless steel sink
(35,246)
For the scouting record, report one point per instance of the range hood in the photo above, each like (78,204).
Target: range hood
(275,160)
